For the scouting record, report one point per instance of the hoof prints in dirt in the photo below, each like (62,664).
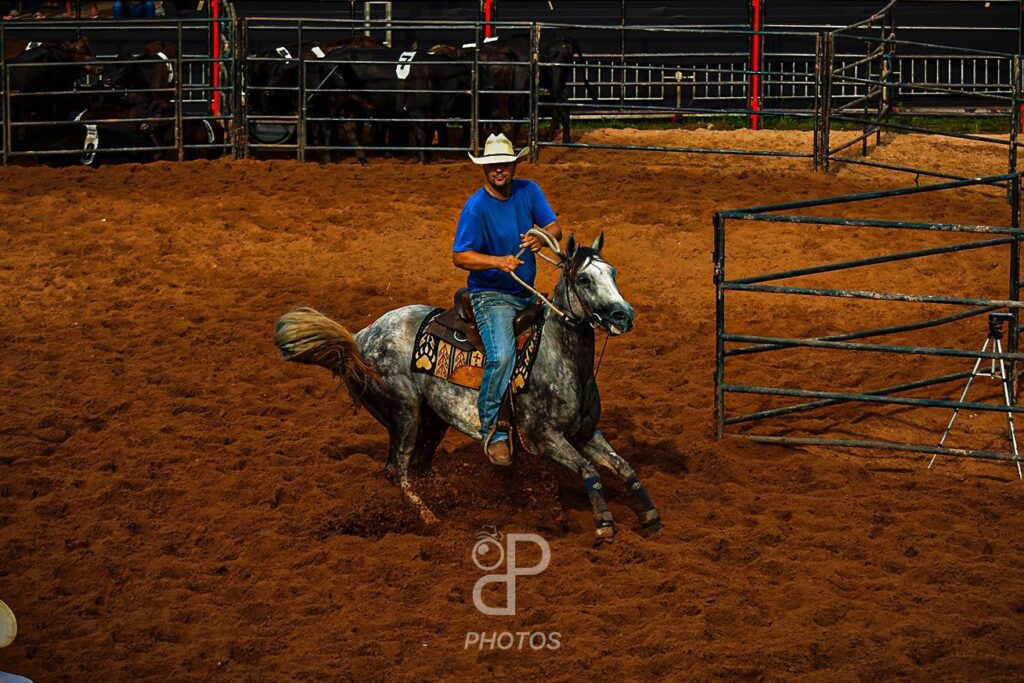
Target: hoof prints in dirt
(369,522)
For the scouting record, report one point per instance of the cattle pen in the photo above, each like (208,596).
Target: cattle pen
(875,70)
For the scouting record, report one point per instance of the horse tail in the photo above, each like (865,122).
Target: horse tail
(577,56)
(305,335)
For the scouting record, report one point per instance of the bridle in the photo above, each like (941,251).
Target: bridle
(571,274)
(571,268)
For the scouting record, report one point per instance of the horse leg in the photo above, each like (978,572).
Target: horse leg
(561,451)
(431,430)
(403,432)
(600,452)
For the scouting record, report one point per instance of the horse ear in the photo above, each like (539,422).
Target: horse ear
(571,246)
(598,243)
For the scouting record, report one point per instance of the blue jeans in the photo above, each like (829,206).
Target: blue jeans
(494,313)
(146,10)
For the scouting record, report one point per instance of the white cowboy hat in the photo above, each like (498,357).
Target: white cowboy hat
(8,625)
(498,150)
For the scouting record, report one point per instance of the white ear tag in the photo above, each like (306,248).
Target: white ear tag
(404,64)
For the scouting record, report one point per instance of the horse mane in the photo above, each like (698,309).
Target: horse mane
(582,256)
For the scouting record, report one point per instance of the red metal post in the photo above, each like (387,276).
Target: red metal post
(756,23)
(488,17)
(215,53)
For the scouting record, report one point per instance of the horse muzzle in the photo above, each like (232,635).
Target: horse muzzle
(619,320)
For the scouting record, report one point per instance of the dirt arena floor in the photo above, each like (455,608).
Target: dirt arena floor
(177,503)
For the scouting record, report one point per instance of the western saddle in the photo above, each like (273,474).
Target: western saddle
(457,325)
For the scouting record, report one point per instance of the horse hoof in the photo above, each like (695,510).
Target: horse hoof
(604,536)
(428,518)
(651,527)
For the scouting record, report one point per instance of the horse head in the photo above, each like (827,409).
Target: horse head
(591,294)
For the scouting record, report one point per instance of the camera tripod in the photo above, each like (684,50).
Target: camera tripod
(995,340)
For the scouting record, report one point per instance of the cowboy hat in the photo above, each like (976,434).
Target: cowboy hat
(498,150)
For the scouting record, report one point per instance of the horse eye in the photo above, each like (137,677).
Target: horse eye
(584,279)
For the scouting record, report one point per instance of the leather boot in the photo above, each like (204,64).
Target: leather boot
(499,453)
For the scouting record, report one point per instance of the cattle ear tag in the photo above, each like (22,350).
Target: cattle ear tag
(404,63)
(320,54)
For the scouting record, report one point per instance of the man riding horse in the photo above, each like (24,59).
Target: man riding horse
(420,370)
(493,226)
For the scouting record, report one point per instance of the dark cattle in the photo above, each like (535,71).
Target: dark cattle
(273,81)
(498,78)
(273,86)
(197,134)
(15,46)
(48,67)
(93,131)
(153,72)
(555,48)
(415,85)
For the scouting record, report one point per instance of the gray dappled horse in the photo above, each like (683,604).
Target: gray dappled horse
(557,417)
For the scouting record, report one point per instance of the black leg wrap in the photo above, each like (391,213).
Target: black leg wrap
(639,493)
(602,516)
(595,492)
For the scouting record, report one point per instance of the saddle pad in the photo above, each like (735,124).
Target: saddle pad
(433,355)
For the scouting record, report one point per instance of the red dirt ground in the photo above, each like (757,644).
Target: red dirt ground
(179,504)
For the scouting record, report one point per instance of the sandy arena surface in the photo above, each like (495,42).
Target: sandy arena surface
(177,503)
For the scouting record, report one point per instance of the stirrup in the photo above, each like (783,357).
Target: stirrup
(490,435)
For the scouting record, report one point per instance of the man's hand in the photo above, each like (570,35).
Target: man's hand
(507,263)
(532,243)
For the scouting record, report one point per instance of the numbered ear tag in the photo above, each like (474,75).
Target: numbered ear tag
(404,65)
(283,52)
(320,54)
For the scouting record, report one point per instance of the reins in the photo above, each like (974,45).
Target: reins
(551,244)
(570,318)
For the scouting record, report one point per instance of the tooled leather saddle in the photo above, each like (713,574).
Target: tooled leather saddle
(449,347)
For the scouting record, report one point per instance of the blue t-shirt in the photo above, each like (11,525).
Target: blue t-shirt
(493,226)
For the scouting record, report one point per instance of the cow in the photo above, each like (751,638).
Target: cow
(273,79)
(93,130)
(15,46)
(498,78)
(559,50)
(197,134)
(151,74)
(48,67)
(400,84)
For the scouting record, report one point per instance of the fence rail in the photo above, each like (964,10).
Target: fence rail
(869,69)
(731,344)
(71,115)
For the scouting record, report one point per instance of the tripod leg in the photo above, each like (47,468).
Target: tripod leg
(1006,399)
(956,411)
